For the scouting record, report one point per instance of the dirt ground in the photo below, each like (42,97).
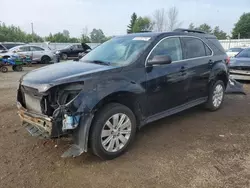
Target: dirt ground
(195,148)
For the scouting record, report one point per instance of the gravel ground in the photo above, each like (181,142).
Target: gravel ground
(194,148)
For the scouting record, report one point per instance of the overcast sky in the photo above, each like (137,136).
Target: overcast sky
(113,16)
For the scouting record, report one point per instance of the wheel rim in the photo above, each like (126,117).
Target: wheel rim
(4,69)
(64,56)
(218,95)
(116,132)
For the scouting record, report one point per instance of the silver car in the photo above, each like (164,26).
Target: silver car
(37,53)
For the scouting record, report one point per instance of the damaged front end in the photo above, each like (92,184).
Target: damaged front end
(59,111)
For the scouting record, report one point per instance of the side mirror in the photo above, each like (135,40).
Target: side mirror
(160,60)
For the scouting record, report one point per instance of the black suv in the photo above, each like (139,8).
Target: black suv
(120,86)
(73,51)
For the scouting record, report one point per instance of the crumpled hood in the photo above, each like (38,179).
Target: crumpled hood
(59,73)
(238,62)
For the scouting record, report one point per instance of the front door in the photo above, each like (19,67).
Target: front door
(166,84)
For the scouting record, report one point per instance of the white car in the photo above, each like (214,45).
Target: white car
(232,52)
(37,53)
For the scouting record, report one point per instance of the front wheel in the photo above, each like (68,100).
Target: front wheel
(113,130)
(216,96)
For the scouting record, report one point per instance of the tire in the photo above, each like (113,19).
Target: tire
(215,101)
(119,140)
(18,68)
(45,59)
(4,69)
(64,56)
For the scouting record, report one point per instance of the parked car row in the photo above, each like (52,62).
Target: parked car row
(45,55)
(240,65)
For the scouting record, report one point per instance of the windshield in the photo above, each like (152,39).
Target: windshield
(118,51)
(245,53)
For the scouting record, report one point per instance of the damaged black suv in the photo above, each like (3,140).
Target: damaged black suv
(125,83)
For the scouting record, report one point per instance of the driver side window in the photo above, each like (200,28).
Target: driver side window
(170,47)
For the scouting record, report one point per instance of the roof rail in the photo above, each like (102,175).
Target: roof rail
(189,31)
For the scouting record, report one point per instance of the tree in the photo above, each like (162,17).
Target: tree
(97,36)
(191,26)
(242,27)
(85,36)
(219,33)
(142,24)
(173,22)
(205,27)
(160,20)
(132,23)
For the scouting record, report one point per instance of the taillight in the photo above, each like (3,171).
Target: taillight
(228,60)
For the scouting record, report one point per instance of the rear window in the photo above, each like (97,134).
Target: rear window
(216,46)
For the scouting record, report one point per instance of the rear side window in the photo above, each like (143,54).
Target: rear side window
(35,48)
(193,47)
(216,46)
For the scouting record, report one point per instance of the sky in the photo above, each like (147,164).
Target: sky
(113,16)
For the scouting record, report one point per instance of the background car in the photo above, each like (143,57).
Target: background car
(72,51)
(3,49)
(240,65)
(37,53)
(232,52)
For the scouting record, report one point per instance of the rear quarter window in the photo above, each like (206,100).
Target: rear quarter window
(216,46)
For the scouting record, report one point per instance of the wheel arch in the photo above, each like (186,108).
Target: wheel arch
(126,98)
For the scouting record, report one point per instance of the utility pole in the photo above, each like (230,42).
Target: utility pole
(32,29)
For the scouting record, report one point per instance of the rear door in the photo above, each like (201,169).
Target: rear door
(199,59)
(24,50)
(37,53)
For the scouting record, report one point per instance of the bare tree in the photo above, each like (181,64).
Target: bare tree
(173,22)
(160,20)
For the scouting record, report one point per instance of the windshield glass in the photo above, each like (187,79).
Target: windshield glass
(118,51)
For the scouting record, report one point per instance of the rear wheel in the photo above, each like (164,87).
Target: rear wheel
(45,60)
(113,130)
(216,96)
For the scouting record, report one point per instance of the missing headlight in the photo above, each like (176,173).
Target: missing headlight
(68,93)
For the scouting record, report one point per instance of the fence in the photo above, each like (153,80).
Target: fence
(234,43)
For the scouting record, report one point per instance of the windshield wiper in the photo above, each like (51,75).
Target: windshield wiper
(100,62)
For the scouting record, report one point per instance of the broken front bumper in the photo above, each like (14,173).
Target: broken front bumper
(240,74)
(36,124)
